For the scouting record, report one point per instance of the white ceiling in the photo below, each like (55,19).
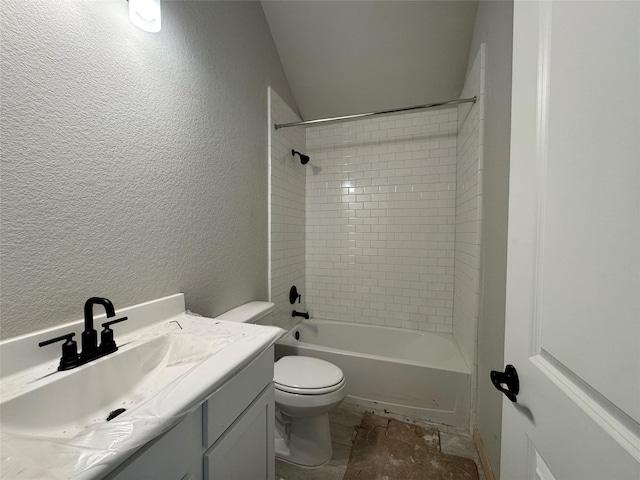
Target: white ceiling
(347,57)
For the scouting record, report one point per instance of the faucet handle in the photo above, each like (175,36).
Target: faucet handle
(107,324)
(107,344)
(70,357)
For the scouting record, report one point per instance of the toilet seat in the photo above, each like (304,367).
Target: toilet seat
(309,391)
(306,375)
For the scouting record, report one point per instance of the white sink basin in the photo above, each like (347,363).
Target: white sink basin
(62,404)
(54,424)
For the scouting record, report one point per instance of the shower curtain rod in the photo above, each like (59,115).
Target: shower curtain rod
(385,112)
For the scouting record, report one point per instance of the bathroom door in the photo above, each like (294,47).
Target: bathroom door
(573,272)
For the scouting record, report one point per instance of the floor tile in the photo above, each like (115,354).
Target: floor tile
(287,471)
(462,446)
(386,448)
(340,455)
(343,421)
(342,434)
(347,417)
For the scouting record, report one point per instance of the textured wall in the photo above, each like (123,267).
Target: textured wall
(381,220)
(287,214)
(133,164)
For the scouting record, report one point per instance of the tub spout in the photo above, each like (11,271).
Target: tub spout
(300,314)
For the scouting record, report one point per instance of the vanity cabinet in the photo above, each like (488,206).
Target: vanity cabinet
(242,453)
(229,437)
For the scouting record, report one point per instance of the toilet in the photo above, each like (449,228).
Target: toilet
(306,390)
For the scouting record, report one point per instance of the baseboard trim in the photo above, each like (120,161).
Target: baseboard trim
(486,465)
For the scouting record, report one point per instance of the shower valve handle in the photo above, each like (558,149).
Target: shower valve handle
(294,295)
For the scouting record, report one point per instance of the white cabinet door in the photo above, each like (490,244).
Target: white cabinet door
(175,455)
(246,450)
(573,275)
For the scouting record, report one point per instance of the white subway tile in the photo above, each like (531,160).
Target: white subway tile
(397,194)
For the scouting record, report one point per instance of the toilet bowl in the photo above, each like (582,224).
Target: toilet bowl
(306,389)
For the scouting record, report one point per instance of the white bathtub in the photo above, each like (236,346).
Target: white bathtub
(406,372)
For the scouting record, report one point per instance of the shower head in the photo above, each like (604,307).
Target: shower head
(304,159)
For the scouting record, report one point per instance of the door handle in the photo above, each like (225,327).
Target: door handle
(509,378)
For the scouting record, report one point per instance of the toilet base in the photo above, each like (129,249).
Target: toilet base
(303,441)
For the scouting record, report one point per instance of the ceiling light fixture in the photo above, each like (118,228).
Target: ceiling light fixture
(145,14)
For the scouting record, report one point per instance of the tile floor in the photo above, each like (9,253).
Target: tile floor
(345,418)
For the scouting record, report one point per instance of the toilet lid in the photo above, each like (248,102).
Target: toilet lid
(306,375)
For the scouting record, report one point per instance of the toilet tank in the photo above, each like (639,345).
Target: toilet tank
(252,312)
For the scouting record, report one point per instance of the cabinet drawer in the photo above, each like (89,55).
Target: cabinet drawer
(226,404)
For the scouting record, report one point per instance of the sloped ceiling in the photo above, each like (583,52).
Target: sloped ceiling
(346,57)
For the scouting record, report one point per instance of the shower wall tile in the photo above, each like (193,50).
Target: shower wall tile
(286,211)
(381,220)
(468,221)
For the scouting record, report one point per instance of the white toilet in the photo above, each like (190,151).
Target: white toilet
(306,389)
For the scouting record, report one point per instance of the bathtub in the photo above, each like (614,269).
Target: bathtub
(406,372)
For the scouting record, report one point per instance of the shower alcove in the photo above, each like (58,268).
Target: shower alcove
(382,225)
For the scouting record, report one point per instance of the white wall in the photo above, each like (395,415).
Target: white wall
(287,212)
(133,164)
(468,213)
(493,27)
(468,219)
(340,56)
(381,220)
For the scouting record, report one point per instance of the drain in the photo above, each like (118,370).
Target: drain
(297,335)
(115,413)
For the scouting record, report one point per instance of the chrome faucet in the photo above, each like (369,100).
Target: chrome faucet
(90,350)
